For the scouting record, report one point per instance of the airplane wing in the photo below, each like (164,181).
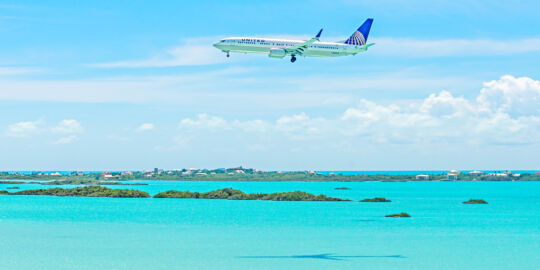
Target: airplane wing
(302,47)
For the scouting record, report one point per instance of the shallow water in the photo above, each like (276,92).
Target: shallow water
(42,232)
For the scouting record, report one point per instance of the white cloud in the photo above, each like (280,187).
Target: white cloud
(67,126)
(515,96)
(23,129)
(300,126)
(204,121)
(132,89)
(193,52)
(67,140)
(445,105)
(453,47)
(145,127)
(7,71)
(439,118)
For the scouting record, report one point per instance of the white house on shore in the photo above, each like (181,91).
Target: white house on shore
(476,173)
(452,175)
(422,177)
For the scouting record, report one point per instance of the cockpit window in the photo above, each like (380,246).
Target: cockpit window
(222,40)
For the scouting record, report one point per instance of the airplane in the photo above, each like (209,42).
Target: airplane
(279,48)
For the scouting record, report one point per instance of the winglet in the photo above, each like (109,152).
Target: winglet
(318,35)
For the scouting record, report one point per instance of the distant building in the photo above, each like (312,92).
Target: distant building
(110,176)
(422,177)
(452,175)
(127,173)
(476,173)
(200,173)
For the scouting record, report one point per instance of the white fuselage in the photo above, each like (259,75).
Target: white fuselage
(266,45)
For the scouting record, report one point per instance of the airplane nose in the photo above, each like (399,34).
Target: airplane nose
(217,45)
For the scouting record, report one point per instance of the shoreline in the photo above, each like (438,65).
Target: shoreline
(121,182)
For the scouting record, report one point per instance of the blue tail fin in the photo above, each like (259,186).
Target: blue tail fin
(359,37)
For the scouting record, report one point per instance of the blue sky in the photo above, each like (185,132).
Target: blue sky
(99,85)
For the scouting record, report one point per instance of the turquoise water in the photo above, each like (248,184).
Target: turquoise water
(41,232)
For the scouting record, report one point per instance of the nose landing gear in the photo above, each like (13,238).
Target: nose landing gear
(228,54)
(293,59)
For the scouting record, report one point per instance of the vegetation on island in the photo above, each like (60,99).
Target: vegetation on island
(86,182)
(400,215)
(342,188)
(235,194)
(376,199)
(17,182)
(246,174)
(475,201)
(90,183)
(87,191)
(3,192)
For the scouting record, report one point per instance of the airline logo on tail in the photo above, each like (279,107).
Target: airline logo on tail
(360,36)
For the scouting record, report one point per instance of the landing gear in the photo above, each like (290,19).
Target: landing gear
(293,59)
(228,54)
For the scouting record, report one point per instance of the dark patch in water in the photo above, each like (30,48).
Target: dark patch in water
(323,256)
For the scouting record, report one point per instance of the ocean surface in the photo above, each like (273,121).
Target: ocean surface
(43,232)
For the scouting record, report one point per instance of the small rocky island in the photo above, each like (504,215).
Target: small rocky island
(400,215)
(12,188)
(475,201)
(376,199)
(88,191)
(342,188)
(235,194)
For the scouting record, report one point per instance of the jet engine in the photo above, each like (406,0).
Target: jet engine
(277,53)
